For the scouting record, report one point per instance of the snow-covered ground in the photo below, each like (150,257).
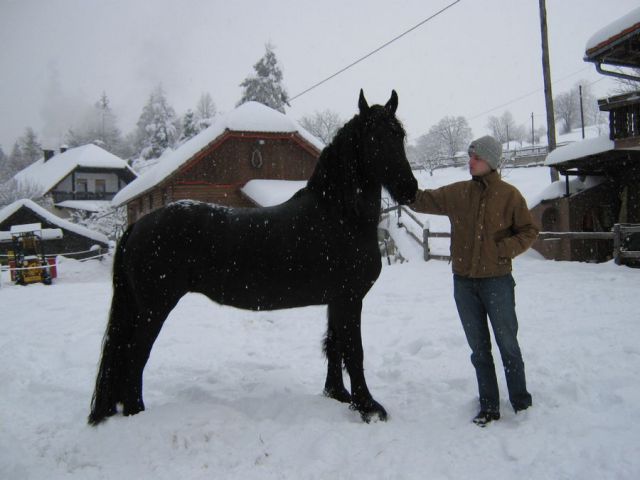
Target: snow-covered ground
(237,395)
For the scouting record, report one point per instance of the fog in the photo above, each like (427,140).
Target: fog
(476,59)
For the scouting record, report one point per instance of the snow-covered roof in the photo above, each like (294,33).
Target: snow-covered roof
(558,189)
(575,150)
(9,210)
(45,175)
(267,193)
(86,205)
(614,32)
(248,117)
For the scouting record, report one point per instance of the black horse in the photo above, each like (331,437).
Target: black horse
(318,248)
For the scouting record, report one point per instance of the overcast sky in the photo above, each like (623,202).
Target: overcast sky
(474,60)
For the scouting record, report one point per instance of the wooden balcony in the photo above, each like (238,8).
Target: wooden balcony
(59,197)
(624,118)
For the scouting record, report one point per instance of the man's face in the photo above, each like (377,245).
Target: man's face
(477,166)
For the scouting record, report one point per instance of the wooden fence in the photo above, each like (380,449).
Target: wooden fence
(426,233)
(620,234)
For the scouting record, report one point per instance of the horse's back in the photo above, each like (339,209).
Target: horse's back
(290,255)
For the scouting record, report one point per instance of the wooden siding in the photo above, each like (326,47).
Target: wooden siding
(70,242)
(218,174)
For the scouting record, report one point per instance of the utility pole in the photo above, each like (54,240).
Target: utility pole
(548,94)
(533,138)
(581,112)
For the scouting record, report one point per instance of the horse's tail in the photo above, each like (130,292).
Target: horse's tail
(112,370)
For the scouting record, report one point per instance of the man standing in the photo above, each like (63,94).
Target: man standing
(490,225)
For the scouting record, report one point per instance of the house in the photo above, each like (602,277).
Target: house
(76,242)
(601,187)
(252,142)
(81,178)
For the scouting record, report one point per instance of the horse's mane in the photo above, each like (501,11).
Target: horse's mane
(336,176)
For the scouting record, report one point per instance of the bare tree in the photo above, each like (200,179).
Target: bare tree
(206,111)
(624,85)
(440,145)
(322,125)
(453,134)
(567,110)
(505,129)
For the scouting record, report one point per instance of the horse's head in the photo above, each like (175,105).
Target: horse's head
(382,157)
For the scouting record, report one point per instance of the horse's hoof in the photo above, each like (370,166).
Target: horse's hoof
(371,411)
(339,394)
(133,409)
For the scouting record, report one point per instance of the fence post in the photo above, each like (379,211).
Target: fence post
(425,244)
(617,243)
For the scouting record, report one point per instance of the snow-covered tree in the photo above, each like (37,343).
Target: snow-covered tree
(30,147)
(98,126)
(451,135)
(26,150)
(189,126)
(322,125)
(505,129)
(4,166)
(109,221)
(567,107)
(206,111)
(12,190)
(266,85)
(156,129)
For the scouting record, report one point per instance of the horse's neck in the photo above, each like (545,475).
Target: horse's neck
(324,179)
(331,187)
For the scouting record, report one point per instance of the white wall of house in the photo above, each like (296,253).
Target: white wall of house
(111,182)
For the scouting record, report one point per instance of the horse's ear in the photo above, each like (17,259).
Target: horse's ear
(392,104)
(362,103)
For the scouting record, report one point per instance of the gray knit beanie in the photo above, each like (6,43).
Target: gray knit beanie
(488,149)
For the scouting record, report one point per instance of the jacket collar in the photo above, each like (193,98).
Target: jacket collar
(488,179)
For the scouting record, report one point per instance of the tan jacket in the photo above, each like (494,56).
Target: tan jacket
(490,223)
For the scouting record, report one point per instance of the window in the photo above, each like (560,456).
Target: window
(101,186)
(81,185)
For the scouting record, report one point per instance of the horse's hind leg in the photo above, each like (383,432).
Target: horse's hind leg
(147,328)
(334,350)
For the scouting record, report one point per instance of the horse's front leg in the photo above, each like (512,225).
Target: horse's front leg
(347,326)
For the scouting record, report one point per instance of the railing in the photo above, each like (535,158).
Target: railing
(63,196)
(426,233)
(621,235)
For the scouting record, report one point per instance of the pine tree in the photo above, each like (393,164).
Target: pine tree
(156,126)
(26,150)
(4,166)
(30,147)
(266,85)
(189,126)
(108,131)
(99,126)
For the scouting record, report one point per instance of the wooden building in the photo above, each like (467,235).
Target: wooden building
(602,175)
(76,242)
(251,142)
(80,178)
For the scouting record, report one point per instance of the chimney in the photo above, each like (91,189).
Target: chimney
(48,154)
(63,148)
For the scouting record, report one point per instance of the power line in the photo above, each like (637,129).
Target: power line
(517,99)
(374,51)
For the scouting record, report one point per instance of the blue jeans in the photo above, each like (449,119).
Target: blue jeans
(477,298)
